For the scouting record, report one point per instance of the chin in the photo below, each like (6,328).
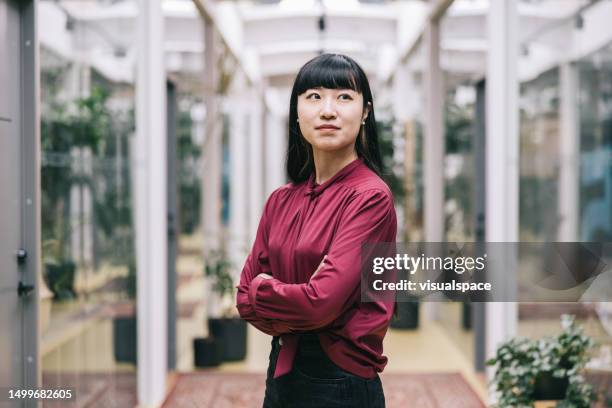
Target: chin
(331,146)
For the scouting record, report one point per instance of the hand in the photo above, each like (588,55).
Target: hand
(265,276)
(319,267)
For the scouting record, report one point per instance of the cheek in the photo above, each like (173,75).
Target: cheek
(351,133)
(306,119)
(353,121)
(353,112)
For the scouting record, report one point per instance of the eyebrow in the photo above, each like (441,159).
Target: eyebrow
(333,89)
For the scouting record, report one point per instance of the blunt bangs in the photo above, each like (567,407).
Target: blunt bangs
(330,71)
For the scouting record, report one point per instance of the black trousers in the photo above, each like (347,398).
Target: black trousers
(317,382)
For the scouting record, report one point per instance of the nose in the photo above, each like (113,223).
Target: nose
(328,110)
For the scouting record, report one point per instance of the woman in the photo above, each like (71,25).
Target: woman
(301,281)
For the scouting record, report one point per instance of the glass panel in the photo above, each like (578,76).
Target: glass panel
(412,128)
(565,179)
(462,58)
(459,180)
(539,158)
(88,310)
(190,266)
(595,109)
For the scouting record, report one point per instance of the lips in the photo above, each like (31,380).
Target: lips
(327,127)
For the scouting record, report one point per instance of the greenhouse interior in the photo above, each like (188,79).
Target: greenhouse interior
(141,140)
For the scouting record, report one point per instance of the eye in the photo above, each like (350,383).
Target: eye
(313,95)
(345,97)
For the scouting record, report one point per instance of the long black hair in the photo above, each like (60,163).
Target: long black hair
(332,71)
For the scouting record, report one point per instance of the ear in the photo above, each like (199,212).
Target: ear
(366,111)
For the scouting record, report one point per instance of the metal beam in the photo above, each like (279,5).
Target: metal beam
(436,13)
(502,155)
(30,199)
(569,152)
(434,138)
(151,206)
(206,9)
(211,146)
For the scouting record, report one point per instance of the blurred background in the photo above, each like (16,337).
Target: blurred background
(163,128)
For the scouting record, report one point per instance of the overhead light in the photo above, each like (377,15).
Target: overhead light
(70,23)
(579,21)
(524,50)
(322,22)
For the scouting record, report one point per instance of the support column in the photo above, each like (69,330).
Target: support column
(256,174)
(569,150)
(433,148)
(238,158)
(212,146)
(502,154)
(78,85)
(151,225)
(276,144)
(406,110)
(434,137)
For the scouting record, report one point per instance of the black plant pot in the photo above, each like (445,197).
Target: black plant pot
(232,332)
(207,352)
(125,339)
(407,316)
(549,388)
(60,279)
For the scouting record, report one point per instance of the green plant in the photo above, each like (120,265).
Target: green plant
(190,182)
(78,124)
(130,281)
(387,152)
(217,268)
(77,134)
(520,362)
(59,270)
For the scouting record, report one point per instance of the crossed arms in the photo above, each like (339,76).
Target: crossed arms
(276,308)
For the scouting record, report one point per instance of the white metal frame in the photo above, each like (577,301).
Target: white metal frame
(151,206)
(502,158)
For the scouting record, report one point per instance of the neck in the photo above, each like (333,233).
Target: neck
(327,164)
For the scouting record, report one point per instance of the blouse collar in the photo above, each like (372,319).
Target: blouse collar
(314,189)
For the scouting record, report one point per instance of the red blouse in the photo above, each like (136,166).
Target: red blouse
(301,224)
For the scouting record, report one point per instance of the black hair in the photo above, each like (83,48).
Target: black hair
(332,71)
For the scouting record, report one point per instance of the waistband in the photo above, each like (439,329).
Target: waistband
(308,339)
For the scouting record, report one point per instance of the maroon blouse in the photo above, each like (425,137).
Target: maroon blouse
(301,224)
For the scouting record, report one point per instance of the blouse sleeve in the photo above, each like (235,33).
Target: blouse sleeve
(370,217)
(257,262)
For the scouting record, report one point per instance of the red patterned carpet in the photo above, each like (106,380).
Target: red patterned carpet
(227,390)
(93,390)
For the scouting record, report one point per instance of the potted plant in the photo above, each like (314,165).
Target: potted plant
(59,269)
(407,308)
(125,331)
(550,368)
(407,315)
(46,299)
(224,326)
(79,124)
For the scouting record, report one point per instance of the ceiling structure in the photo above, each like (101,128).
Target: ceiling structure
(271,39)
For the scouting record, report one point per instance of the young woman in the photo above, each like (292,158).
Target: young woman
(301,281)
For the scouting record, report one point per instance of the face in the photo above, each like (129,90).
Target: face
(330,119)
